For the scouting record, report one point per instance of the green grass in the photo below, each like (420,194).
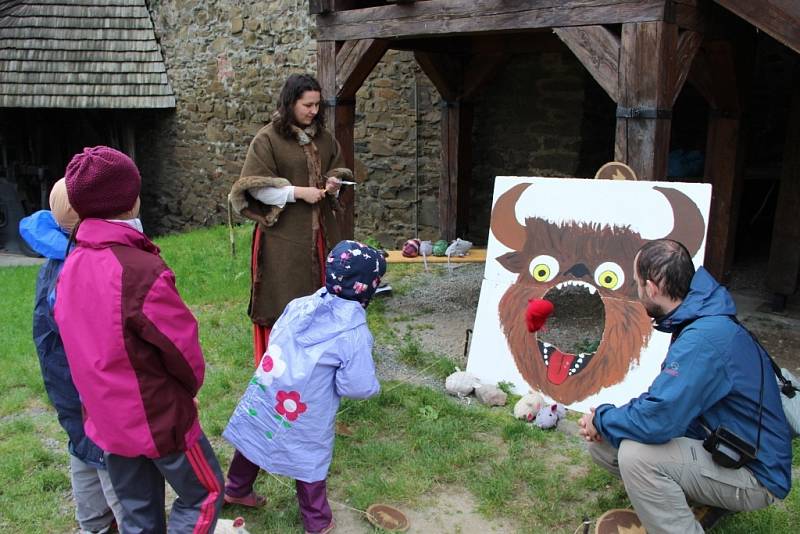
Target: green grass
(408,443)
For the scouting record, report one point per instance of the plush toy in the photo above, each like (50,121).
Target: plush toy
(537,313)
(440,248)
(228,526)
(411,248)
(550,415)
(425,248)
(461,383)
(459,247)
(528,406)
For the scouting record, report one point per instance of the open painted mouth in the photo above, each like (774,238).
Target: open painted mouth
(574,331)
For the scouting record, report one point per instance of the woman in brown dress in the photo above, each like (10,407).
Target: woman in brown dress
(288,186)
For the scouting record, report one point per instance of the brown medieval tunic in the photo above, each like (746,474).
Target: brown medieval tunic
(287,266)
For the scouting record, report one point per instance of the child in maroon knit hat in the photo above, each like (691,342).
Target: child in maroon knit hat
(102,183)
(133,350)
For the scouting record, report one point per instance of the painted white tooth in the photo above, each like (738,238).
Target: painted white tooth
(592,290)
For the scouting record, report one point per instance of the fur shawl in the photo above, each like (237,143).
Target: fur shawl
(245,205)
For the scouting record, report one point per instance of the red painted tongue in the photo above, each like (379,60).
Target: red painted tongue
(559,367)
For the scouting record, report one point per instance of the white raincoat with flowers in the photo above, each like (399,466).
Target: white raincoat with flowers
(320,350)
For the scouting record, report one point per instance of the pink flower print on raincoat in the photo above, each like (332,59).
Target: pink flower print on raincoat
(289,404)
(271,367)
(359,287)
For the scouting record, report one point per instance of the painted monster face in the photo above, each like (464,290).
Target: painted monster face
(579,258)
(582,257)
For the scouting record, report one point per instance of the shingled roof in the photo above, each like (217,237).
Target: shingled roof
(80,54)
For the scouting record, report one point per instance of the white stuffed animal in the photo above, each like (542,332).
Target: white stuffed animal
(459,247)
(231,526)
(528,406)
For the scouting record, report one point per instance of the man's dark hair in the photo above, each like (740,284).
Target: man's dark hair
(668,264)
(293,89)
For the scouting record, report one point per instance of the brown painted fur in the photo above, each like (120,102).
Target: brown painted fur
(627,326)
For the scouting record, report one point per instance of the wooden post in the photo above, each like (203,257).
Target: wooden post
(457,80)
(784,251)
(454,190)
(722,169)
(647,70)
(342,68)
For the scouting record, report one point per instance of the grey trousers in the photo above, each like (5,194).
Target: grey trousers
(194,475)
(660,479)
(96,504)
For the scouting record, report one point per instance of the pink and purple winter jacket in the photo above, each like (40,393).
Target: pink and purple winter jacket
(131,342)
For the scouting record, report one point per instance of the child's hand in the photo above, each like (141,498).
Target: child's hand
(312,195)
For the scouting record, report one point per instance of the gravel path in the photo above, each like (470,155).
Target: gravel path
(436,311)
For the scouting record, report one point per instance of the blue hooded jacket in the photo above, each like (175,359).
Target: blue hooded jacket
(712,371)
(43,234)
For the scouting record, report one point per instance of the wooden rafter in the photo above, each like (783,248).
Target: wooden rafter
(448,17)
(444,71)
(722,169)
(598,51)
(778,18)
(688,44)
(354,61)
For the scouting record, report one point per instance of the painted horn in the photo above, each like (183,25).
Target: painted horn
(505,226)
(689,227)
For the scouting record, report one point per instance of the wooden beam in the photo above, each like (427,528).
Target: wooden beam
(688,44)
(700,77)
(454,185)
(723,162)
(598,50)
(448,17)
(340,120)
(688,15)
(354,62)
(778,18)
(445,71)
(784,250)
(318,7)
(646,74)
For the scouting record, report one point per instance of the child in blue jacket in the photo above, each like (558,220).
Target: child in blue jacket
(47,232)
(320,350)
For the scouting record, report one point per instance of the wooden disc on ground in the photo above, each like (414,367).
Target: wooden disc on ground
(619,521)
(387,517)
(614,170)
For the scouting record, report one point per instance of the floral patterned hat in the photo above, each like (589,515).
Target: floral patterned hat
(354,271)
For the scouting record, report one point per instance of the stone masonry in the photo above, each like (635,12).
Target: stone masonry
(227,60)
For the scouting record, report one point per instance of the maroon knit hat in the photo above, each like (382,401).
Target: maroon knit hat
(102,182)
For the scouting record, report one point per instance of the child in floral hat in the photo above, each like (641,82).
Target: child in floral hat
(320,350)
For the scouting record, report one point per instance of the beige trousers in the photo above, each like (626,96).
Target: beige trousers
(661,480)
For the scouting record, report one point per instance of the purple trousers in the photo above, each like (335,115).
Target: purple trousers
(312,497)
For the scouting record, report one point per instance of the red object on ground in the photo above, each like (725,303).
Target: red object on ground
(537,313)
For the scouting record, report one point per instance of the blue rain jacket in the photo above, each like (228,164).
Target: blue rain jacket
(712,371)
(320,350)
(43,235)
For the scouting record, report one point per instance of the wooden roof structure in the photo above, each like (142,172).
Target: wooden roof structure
(81,54)
(641,52)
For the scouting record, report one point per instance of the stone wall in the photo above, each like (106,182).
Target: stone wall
(226,61)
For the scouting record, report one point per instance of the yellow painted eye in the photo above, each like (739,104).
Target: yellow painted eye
(544,268)
(609,275)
